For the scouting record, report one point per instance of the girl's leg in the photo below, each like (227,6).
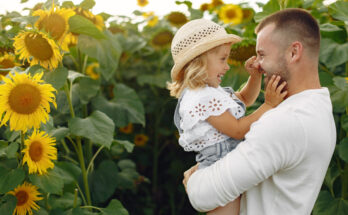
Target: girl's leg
(232,208)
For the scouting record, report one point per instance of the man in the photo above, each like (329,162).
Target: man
(280,166)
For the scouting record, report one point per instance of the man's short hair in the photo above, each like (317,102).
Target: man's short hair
(296,25)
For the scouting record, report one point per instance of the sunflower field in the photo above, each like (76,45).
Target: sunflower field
(86,121)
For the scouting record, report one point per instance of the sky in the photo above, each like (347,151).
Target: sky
(120,7)
(125,7)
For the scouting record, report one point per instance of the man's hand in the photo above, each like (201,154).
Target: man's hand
(188,173)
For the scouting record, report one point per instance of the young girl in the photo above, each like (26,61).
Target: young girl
(210,119)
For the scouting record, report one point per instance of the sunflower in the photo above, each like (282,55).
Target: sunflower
(26,195)
(153,20)
(39,152)
(140,139)
(240,52)
(55,22)
(142,3)
(204,7)
(7,61)
(127,129)
(37,48)
(231,14)
(91,71)
(215,3)
(177,18)
(25,101)
(248,14)
(162,39)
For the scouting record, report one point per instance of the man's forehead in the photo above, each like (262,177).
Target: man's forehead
(264,36)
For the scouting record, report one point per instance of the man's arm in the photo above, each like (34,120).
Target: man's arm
(273,143)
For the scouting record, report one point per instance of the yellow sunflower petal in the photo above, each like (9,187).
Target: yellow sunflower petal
(25,101)
(27,195)
(39,152)
(37,48)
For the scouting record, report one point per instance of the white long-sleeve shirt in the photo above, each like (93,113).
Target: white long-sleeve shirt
(280,166)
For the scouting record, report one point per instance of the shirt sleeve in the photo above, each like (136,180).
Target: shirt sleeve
(270,145)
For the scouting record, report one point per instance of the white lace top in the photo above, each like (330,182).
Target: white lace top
(195,107)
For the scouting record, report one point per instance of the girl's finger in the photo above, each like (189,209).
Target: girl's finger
(283,94)
(270,82)
(275,83)
(281,87)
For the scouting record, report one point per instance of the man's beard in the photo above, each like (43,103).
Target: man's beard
(282,70)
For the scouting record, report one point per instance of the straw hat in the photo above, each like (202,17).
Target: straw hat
(195,38)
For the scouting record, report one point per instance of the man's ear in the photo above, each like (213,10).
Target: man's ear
(296,50)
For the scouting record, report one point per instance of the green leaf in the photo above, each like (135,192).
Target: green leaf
(87,88)
(103,181)
(51,182)
(98,127)
(114,207)
(158,80)
(76,211)
(340,99)
(107,51)
(23,1)
(125,144)
(57,78)
(59,133)
(80,25)
(9,151)
(127,99)
(7,204)
(343,149)
(333,54)
(65,201)
(87,4)
(269,8)
(328,27)
(340,82)
(70,172)
(124,108)
(10,179)
(339,10)
(126,164)
(72,76)
(331,175)
(344,122)
(327,205)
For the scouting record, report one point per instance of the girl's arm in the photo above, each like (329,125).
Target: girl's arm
(237,128)
(251,90)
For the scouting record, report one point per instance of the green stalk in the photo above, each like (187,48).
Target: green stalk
(84,171)
(79,150)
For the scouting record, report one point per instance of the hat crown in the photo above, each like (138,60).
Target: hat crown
(193,33)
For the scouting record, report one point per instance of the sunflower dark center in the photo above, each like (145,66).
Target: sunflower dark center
(35,151)
(163,38)
(22,197)
(24,98)
(38,47)
(54,24)
(231,13)
(6,63)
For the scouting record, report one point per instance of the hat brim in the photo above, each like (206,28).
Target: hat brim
(199,49)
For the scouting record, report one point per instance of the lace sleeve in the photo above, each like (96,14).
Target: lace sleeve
(199,105)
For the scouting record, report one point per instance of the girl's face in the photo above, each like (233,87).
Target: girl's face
(217,64)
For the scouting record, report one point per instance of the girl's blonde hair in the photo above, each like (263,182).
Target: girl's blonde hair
(193,75)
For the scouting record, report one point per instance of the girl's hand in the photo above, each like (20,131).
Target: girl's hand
(274,95)
(252,67)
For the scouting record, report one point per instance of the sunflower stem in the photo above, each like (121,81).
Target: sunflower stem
(84,64)
(75,197)
(21,148)
(84,172)
(81,193)
(68,95)
(66,148)
(93,158)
